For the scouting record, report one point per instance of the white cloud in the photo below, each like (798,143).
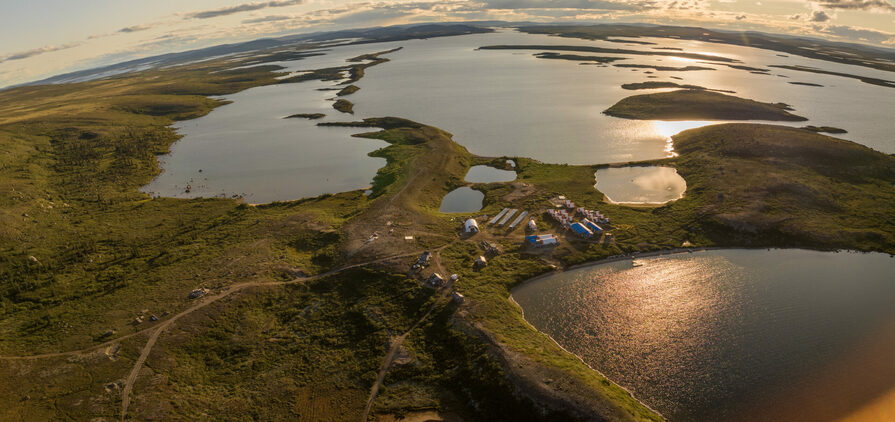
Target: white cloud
(856,34)
(137,28)
(880,5)
(819,16)
(245,7)
(38,51)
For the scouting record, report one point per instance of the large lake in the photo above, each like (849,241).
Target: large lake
(730,334)
(495,102)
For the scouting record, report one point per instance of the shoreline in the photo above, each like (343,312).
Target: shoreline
(633,396)
(595,263)
(633,256)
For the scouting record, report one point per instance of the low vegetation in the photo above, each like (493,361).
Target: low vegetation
(663,68)
(660,84)
(853,54)
(865,79)
(690,104)
(603,50)
(348,90)
(578,57)
(792,188)
(824,129)
(344,106)
(311,116)
(806,84)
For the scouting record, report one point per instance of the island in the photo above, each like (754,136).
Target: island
(348,90)
(806,84)
(577,57)
(603,50)
(660,84)
(824,129)
(866,79)
(696,104)
(344,106)
(663,68)
(311,116)
(853,54)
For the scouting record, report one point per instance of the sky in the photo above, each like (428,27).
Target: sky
(41,38)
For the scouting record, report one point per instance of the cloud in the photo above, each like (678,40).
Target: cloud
(245,7)
(38,51)
(136,28)
(856,34)
(270,18)
(819,16)
(568,4)
(857,4)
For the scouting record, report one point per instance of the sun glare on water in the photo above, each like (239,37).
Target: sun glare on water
(669,129)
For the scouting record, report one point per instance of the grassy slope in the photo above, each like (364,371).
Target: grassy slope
(308,352)
(694,104)
(793,187)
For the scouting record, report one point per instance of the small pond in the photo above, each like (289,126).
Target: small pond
(488,174)
(652,185)
(463,199)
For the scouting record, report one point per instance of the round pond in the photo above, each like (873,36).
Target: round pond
(464,199)
(651,185)
(488,174)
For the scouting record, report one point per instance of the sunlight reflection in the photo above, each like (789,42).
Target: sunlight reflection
(669,129)
(683,59)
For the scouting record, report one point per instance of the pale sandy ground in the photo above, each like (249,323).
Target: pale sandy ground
(881,409)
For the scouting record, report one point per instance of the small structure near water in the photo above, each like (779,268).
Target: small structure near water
(507,217)
(435,280)
(592,226)
(197,293)
(543,240)
(581,229)
(490,248)
(423,261)
(471,226)
(457,297)
(518,220)
(498,216)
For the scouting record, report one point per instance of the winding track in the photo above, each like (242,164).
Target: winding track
(144,353)
(398,341)
(158,329)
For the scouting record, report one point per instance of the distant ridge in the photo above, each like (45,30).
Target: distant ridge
(366,35)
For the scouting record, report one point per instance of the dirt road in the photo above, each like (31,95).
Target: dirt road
(443,293)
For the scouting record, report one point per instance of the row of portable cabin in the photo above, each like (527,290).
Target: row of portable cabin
(542,240)
(586,228)
(561,216)
(472,226)
(593,215)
